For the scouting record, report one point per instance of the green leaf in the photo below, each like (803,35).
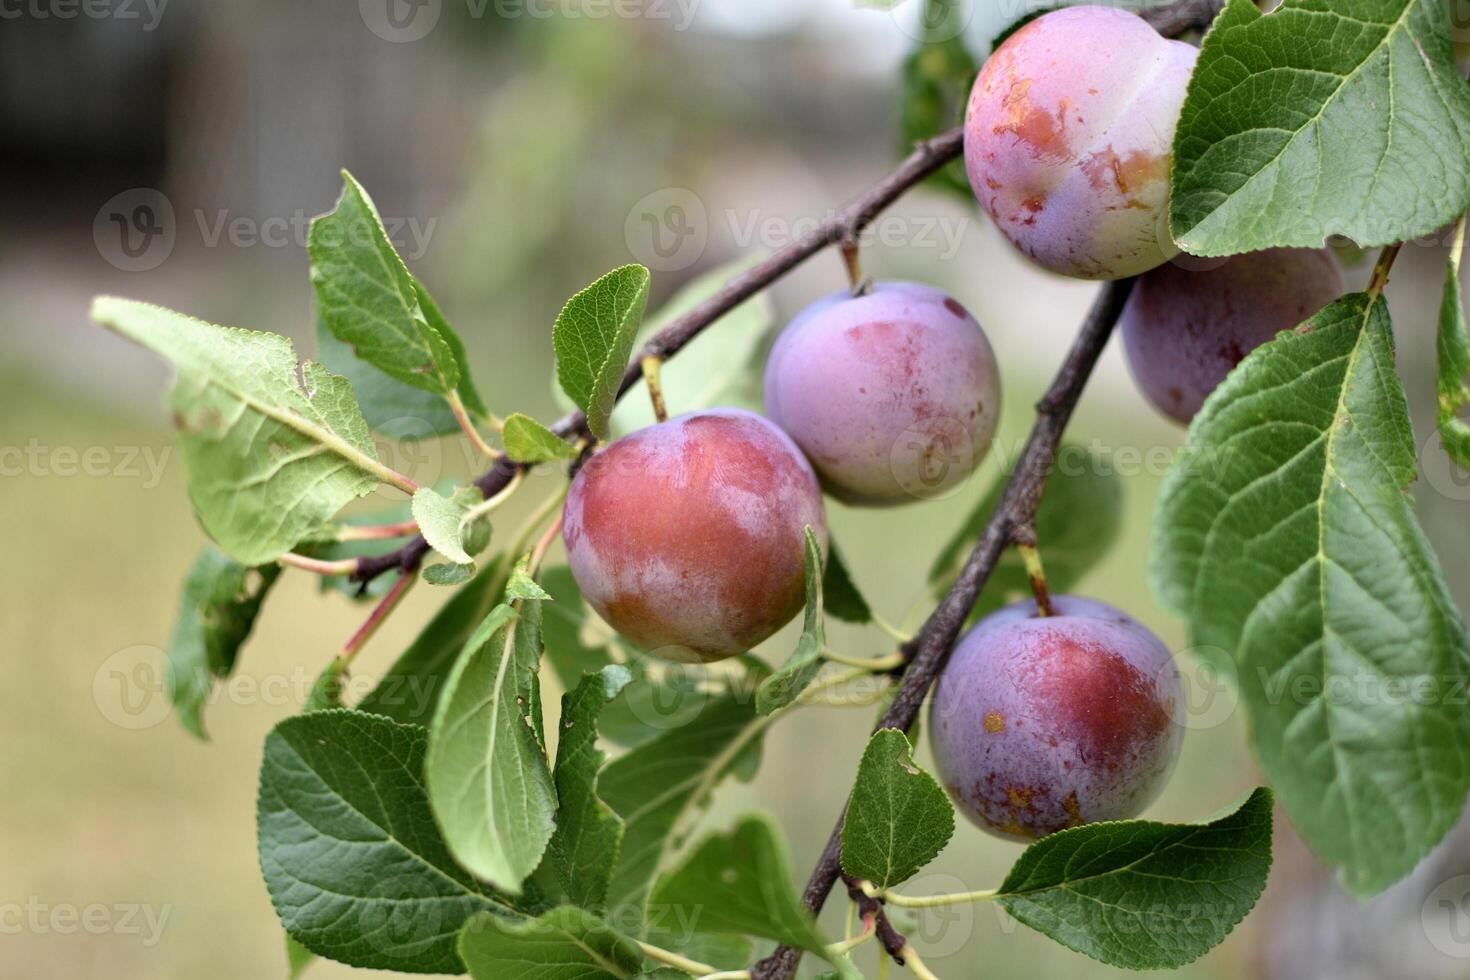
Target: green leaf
(445,573)
(522,585)
(390,407)
(593,338)
(528,441)
(354,865)
(367,298)
(659,787)
(1077,523)
(579,861)
(566,943)
(718,367)
(1454,361)
(898,817)
(221,599)
(1143,895)
(1318,119)
(568,653)
(936,82)
(271,454)
(489,781)
(783,687)
(740,883)
(1285,534)
(411,689)
(840,595)
(448,522)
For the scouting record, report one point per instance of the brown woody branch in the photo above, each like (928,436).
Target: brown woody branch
(927,157)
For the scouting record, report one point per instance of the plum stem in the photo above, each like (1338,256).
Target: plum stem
(651,364)
(928,901)
(1025,541)
(678,962)
(377,617)
(317,566)
(849,249)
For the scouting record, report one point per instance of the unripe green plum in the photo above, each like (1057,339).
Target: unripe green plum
(1043,723)
(1068,140)
(893,394)
(1184,330)
(688,537)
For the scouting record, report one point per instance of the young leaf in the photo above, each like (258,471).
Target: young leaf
(367,298)
(447,522)
(1454,361)
(840,595)
(298,958)
(1077,523)
(593,337)
(528,441)
(898,817)
(1143,895)
(566,943)
(445,573)
(579,861)
(489,781)
(271,456)
(783,687)
(1321,119)
(348,845)
(220,601)
(411,689)
(1285,533)
(326,692)
(658,788)
(741,883)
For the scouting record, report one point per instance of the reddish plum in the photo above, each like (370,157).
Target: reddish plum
(688,536)
(1042,723)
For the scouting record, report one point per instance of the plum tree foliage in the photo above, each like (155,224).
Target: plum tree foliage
(443,824)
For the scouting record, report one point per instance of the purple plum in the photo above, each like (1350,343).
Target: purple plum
(1068,140)
(1043,723)
(893,394)
(688,537)
(1185,330)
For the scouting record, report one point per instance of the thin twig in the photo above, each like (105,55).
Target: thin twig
(927,157)
(376,618)
(318,566)
(1017,509)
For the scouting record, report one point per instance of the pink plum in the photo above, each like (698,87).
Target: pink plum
(893,394)
(1042,723)
(688,536)
(1068,139)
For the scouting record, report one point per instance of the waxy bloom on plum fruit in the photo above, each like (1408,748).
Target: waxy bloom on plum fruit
(1043,723)
(893,394)
(688,536)
(1185,330)
(1068,136)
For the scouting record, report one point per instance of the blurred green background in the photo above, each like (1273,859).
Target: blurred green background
(527,148)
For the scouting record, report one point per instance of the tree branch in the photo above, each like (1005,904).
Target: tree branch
(927,157)
(1016,511)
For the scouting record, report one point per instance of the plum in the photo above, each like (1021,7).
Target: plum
(1045,722)
(1068,139)
(688,537)
(1185,330)
(893,394)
